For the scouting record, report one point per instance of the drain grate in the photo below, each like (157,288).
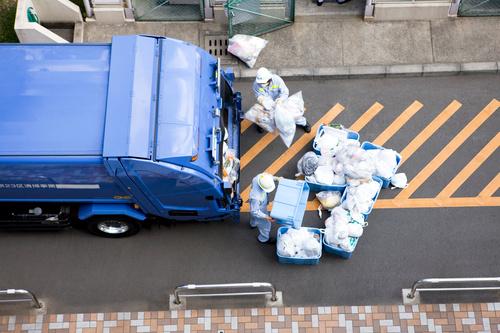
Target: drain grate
(216,45)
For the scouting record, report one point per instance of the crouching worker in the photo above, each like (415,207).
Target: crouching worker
(262,185)
(270,89)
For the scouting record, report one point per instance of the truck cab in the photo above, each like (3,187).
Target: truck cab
(116,134)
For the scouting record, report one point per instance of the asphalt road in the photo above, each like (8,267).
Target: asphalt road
(76,272)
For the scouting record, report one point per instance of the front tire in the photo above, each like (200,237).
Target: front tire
(112,226)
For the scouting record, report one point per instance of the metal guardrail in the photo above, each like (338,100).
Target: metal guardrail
(272,290)
(433,281)
(32,296)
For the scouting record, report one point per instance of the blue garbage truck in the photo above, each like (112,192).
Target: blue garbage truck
(114,135)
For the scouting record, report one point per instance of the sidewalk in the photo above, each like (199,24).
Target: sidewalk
(329,45)
(484,317)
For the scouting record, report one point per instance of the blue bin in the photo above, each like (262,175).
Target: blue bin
(298,261)
(290,202)
(339,251)
(386,182)
(315,187)
(378,180)
(321,131)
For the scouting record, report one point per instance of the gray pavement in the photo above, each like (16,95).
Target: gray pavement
(76,272)
(316,41)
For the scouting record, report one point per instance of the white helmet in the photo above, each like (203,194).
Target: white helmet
(263,75)
(266,182)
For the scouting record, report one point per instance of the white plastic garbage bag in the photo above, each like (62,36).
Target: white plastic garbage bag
(263,118)
(329,199)
(299,243)
(285,123)
(359,199)
(399,180)
(307,164)
(294,105)
(246,48)
(384,161)
(356,163)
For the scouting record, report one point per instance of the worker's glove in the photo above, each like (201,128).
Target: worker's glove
(280,100)
(277,179)
(261,100)
(268,104)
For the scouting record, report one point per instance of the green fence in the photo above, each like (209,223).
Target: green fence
(168,10)
(479,8)
(256,17)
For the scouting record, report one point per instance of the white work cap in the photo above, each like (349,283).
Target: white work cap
(266,182)
(263,75)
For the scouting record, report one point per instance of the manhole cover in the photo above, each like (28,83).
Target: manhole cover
(216,45)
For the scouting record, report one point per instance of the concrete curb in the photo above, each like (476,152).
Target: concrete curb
(377,71)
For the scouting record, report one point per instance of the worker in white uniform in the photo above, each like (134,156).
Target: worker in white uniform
(262,185)
(270,89)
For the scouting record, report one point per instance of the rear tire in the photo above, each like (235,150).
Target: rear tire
(112,226)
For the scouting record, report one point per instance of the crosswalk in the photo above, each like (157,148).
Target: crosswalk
(406,197)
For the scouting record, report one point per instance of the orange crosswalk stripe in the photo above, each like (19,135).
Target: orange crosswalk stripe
(429,130)
(470,168)
(366,117)
(257,149)
(448,150)
(245,124)
(402,119)
(299,144)
(491,188)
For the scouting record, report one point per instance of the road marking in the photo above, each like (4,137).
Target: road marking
(366,117)
(470,168)
(257,149)
(491,188)
(414,203)
(299,144)
(448,150)
(398,123)
(429,130)
(245,124)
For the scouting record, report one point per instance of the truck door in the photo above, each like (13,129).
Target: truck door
(177,192)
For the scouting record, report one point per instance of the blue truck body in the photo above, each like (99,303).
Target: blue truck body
(133,128)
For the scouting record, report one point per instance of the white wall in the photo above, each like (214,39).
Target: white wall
(60,11)
(31,32)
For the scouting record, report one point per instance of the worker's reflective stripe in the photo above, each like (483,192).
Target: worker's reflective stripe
(275,87)
(261,89)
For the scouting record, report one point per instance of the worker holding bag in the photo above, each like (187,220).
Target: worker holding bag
(270,90)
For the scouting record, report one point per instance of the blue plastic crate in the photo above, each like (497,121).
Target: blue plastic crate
(315,187)
(290,202)
(321,131)
(386,182)
(378,180)
(339,251)
(298,261)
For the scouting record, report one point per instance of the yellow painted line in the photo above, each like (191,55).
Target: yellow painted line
(417,203)
(298,145)
(491,188)
(366,117)
(245,124)
(398,123)
(429,130)
(470,168)
(448,150)
(257,149)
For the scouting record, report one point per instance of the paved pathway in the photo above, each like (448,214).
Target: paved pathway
(479,317)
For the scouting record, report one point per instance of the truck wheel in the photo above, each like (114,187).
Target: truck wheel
(112,227)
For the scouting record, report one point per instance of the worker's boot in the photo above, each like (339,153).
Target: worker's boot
(259,129)
(307,127)
(270,241)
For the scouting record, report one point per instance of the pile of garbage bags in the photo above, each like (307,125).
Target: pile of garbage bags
(359,197)
(299,243)
(246,48)
(281,116)
(343,228)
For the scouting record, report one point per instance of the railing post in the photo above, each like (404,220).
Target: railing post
(32,296)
